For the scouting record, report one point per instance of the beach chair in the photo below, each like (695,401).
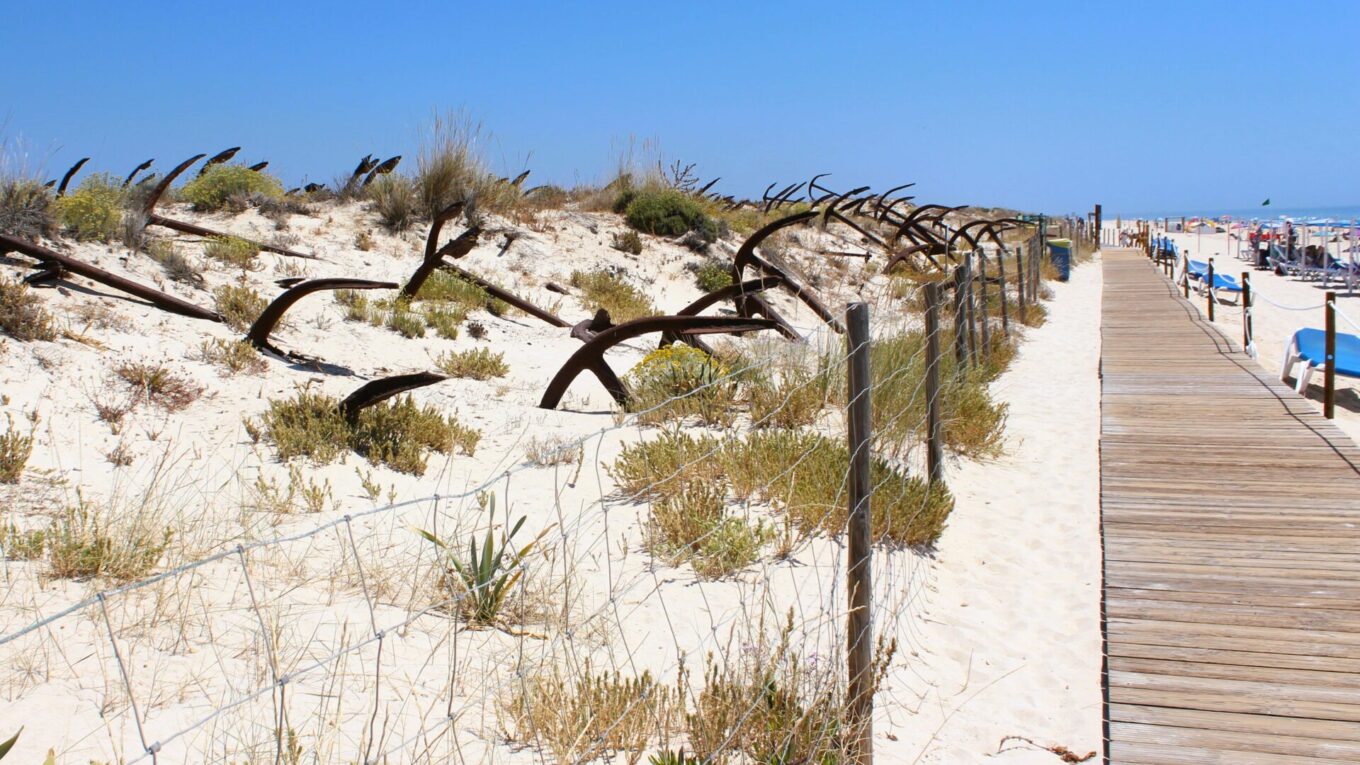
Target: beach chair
(1308,347)
(1280,262)
(1198,271)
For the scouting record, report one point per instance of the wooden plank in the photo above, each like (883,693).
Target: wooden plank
(1232,584)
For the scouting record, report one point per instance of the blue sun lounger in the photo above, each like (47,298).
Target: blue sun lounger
(1198,271)
(1308,347)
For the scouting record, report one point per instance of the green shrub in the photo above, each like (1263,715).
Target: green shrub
(22,315)
(446,287)
(233,251)
(794,401)
(395,433)
(211,190)
(404,321)
(395,200)
(94,211)
(239,305)
(26,208)
(476,364)
(659,467)
(711,276)
(482,582)
(602,289)
(668,212)
(679,381)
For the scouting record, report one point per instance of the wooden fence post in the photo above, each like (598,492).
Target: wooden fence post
(985,330)
(934,442)
(1246,312)
(1208,289)
(1329,372)
(1020,281)
(970,309)
(1001,278)
(960,320)
(859,573)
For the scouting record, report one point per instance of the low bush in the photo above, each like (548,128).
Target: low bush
(667,212)
(692,525)
(805,475)
(445,287)
(476,364)
(233,252)
(660,467)
(774,704)
(629,242)
(395,433)
(26,208)
(94,211)
(22,315)
(602,289)
(681,381)
(239,305)
(404,321)
(219,183)
(711,276)
(794,400)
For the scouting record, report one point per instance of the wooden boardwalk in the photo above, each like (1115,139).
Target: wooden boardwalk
(1231,526)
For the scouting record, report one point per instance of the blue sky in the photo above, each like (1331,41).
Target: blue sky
(1145,106)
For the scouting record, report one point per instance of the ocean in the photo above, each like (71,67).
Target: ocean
(1329,213)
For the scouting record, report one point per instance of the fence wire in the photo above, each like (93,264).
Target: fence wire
(358,640)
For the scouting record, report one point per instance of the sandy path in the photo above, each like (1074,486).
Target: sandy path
(1009,643)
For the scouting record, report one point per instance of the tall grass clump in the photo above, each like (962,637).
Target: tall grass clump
(220,183)
(396,433)
(602,289)
(22,315)
(87,541)
(395,200)
(26,208)
(450,168)
(94,211)
(804,475)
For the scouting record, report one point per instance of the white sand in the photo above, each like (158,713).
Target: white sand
(1010,641)
(999,628)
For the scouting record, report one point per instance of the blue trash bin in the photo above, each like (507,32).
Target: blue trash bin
(1060,255)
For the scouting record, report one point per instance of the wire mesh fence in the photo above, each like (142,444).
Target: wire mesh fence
(672,586)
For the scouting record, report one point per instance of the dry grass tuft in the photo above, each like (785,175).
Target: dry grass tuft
(547,451)
(602,289)
(233,356)
(92,541)
(693,525)
(476,364)
(395,201)
(156,384)
(587,715)
(176,267)
(15,449)
(22,315)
